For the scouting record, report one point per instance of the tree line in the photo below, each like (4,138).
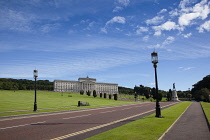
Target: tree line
(201,90)
(24,84)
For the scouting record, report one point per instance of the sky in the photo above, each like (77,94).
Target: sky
(110,40)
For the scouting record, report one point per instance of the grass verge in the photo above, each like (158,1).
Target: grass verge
(206,108)
(149,128)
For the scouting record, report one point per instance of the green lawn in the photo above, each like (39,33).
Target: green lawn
(24,100)
(206,108)
(147,128)
(127,96)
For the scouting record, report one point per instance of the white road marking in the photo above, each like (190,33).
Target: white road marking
(77,116)
(21,125)
(104,125)
(65,112)
(108,111)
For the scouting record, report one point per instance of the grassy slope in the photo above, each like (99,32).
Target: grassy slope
(24,100)
(149,128)
(206,108)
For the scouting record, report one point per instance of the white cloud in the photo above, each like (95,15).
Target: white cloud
(141,29)
(156,20)
(169,25)
(104,30)
(187,35)
(124,2)
(168,41)
(15,20)
(185,68)
(183,5)
(186,19)
(117,19)
(121,4)
(162,11)
(117,9)
(146,38)
(49,27)
(189,14)
(162,45)
(204,26)
(174,13)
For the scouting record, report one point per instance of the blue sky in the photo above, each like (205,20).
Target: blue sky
(110,40)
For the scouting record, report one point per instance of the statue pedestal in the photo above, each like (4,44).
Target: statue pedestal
(174,96)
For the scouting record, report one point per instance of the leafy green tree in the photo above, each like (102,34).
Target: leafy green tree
(202,95)
(81,92)
(110,96)
(189,96)
(115,96)
(204,83)
(135,96)
(169,95)
(94,93)
(88,92)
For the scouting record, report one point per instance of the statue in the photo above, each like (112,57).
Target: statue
(174,94)
(174,86)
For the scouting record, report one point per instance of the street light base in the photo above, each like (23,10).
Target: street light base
(35,107)
(158,113)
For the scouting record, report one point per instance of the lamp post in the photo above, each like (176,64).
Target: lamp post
(154,56)
(35,77)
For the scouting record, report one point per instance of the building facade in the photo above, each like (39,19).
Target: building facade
(85,84)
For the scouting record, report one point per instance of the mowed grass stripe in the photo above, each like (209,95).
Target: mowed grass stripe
(206,108)
(24,100)
(149,127)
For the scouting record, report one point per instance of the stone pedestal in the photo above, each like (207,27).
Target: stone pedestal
(174,96)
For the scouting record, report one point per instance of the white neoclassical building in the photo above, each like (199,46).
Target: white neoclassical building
(85,84)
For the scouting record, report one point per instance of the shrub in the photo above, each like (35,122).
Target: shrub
(115,96)
(81,92)
(94,94)
(88,92)
(104,95)
(101,95)
(110,96)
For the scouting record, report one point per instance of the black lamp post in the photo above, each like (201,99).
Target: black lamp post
(35,77)
(154,56)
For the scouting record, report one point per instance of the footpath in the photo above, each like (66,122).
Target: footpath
(191,125)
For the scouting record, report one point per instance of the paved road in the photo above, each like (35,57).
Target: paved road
(192,125)
(72,124)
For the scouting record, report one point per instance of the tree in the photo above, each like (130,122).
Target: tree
(202,95)
(153,93)
(94,93)
(88,92)
(169,95)
(147,92)
(189,96)
(81,92)
(135,96)
(160,96)
(204,83)
(110,96)
(115,96)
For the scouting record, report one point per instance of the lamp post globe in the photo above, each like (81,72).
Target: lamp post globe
(154,57)
(35,77)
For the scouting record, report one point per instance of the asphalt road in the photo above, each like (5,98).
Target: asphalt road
(78,124)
